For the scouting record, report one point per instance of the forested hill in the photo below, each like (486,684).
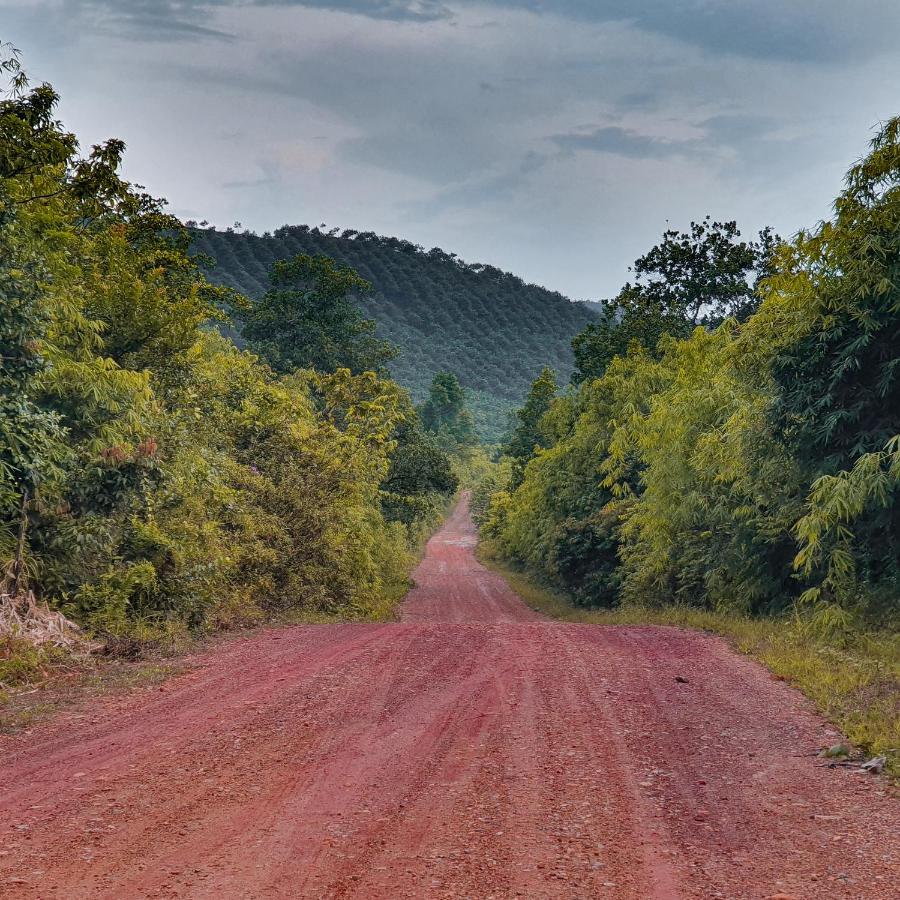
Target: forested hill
(486,326)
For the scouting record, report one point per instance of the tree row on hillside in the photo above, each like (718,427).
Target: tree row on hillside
(490,329)
(733,438)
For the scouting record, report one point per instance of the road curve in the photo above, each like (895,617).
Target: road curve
(471,750)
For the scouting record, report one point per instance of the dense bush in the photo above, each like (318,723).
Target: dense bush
(747,465)
(444,414)
(167,480)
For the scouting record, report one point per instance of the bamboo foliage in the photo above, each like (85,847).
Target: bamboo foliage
(748,466)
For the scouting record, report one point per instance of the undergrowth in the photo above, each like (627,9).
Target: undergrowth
(23,663)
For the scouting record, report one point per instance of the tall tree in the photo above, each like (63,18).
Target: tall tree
(444,413)
(840,377)
(31,438)
(528,434)
(168,480)
(699,277)
(419,471)
(308,320)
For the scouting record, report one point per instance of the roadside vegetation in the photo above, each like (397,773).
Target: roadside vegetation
(156,481)
(727,455)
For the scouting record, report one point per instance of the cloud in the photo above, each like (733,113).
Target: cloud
(730,128)
(758,29)
(761,29)
(552,138)
(160,20)
(748,146)
(623,142)
(482,189)
(390,10)
(146,20)
(262,181)
(409,106)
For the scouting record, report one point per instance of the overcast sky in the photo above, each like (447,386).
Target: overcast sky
(553,138)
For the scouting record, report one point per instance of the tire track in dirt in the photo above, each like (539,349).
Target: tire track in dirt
(472,750)
(727,760)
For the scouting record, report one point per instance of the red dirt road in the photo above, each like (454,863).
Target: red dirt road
(470,750)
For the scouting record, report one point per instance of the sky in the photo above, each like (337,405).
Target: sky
(557,139)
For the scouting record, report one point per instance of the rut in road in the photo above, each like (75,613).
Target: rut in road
(470,750)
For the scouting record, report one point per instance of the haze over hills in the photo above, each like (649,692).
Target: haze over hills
(486,326)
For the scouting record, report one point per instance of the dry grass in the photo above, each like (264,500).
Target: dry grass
(69,686)
(23,618)
(37,644)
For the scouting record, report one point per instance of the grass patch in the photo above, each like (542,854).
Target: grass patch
(70,683)
(23,663)
(853,678)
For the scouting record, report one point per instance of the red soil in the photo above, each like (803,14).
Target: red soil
(471,750)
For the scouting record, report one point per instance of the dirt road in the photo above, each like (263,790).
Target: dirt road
(470,750)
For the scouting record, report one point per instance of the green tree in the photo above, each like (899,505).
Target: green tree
(50,204)
(528,434)
(32,439)
(734,466)
(490,328)
(839,380)
(838,377)
(699,277)
(173,481)
(420,472)
(308,320)
(444,413)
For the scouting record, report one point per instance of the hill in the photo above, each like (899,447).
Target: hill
(486,326)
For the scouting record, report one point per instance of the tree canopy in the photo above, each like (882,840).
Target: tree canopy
(698,277)
(308,319)
(530,433)
(445,315)
(725,460)
(162,479)
(444,413)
